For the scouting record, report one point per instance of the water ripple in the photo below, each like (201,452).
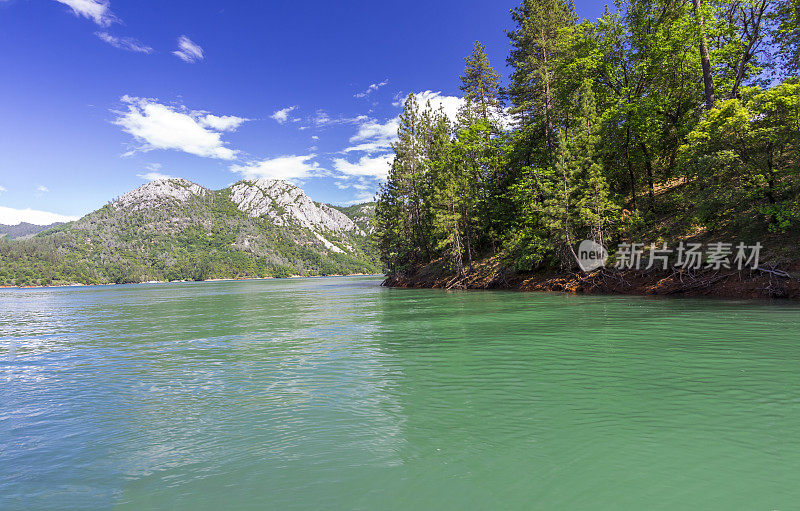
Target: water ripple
(336,393)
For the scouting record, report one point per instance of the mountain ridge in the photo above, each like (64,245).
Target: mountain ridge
(174,229)
(25,229)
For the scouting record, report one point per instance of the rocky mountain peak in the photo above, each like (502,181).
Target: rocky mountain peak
(283,202)
(156,193)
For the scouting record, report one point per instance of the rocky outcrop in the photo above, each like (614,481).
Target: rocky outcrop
(278,202)
(362,215)
(284,203)
(157,193)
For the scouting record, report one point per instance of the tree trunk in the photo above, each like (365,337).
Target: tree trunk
(457,243)
(650,184)
(705,59)
(753,33)
(630,165)
(548,107)
(469,245)
(771,187)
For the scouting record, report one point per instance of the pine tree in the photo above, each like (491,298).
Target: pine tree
(576,204)
(480,84)
(477,143)
(399,208)
(449,209)
(409,154)
(595,206)
(535,44)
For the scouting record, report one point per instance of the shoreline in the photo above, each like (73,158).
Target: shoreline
(761,284)
(108,284)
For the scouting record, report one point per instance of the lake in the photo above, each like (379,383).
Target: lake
(335,393)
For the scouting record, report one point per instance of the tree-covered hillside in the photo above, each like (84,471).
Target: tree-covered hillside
(664,120)
(145,237)
(24,229)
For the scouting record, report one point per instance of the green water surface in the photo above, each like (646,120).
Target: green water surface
(339,394)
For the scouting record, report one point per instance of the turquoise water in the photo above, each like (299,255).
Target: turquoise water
(339,394)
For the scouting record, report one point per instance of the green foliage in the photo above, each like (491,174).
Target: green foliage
(786,34)
(660,119)
(480,84)
(746,156)
(203,238)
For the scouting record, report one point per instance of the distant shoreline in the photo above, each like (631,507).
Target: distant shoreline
(188,281)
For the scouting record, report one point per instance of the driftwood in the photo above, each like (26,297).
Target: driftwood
(774,272)
(767,281)
(685,280)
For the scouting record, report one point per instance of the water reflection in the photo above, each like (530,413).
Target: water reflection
(335,393)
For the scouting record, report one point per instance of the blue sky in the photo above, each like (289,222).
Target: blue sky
(98,97)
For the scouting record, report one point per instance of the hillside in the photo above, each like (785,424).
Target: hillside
(24,229)
(178,230)
(627,140)
(361,214)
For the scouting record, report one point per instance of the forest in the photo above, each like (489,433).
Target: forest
(663,120)
(203,238)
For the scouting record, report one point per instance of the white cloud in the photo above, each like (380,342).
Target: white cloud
(361,197)
(283,115)
(283,167)
(360,184)
(153,176)
(3,189)
(159,126)
(365,192)
(450,104)
(221,122)
(322,119)
(373,129)
(95,10)
(11,216)
(188,50)
(366,166)
(375,146)
(374,136)
(372,88)
(42,189)
(124,43)
(154,173)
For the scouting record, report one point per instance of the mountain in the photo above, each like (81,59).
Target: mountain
(24,229)
(361,214)
(173,229)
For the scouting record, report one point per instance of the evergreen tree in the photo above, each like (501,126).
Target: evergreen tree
(595,207)
(480,84)
(535,43)
(400,204)
(450,208)
(604,109)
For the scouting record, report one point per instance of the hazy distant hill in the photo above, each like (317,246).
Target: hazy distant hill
(177,230)
(24,229)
